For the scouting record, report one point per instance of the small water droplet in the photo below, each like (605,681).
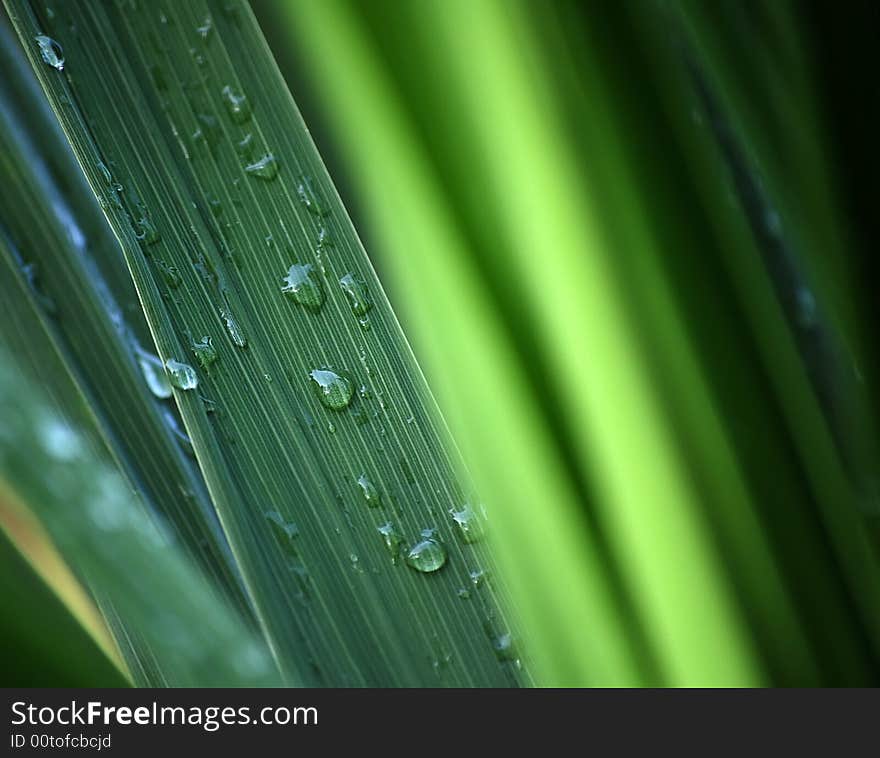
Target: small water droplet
(265,168)
(331,427)
(236,334)
(51,51)
(479,577)
(105,172)
(154,374)
(370,493)
(237,105)
(246,146)
(170,274)
(428,555)
(355,563)
(310,198)
(464,593)
(204,350)
(208,130)
(303,286)
(393,540)
(470,523)
(285,531)
(355,290)
(204,29)
(504,647)
(146,231)
(182,375)
(334,390)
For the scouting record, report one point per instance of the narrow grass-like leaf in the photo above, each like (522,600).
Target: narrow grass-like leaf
(609,239)
(185,109)
(127,562)
(85,327)
(37,621)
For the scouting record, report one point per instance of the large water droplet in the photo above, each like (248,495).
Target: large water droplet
(205,352)
(334,390)
(237,105)
(393,540)
(470,523)
(302,284)
(355,290)
(50,51)
(312,201)
(154,374)
(428,555)
(265,168)
(236,334)
(182,375)
(370,493)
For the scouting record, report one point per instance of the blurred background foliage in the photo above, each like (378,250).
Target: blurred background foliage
(630,245)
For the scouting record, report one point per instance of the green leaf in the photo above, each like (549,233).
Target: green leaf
(34,627)
(131,566)
(151,98)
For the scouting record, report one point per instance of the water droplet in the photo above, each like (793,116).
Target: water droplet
(182,375)
(265,168)
(246,146)
(237,105)
(303,286)
(310,199)
(470,524)
(464,593)
(355,563)
(50,51)
(146,231)
(285,531)
(154,374)
(334,390)
(479,577)
(355,290)
(105,172)
(208,130)
(371,494)
(204,29)
(393,540)
(331,427)
(204,350)
(428,555)
(232,328)
(170,274)
(504,647)
(365,392)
